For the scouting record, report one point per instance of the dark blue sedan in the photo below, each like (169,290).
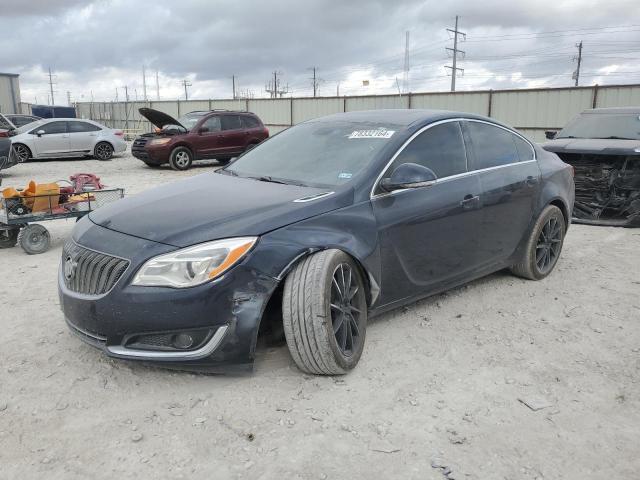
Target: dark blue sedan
(311,233)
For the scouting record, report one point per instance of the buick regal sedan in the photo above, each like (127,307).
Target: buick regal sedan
(316,230)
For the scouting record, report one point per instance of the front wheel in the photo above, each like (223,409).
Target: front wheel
(543,246)
(22,151)
(103,151)
(324,312)
(181,158)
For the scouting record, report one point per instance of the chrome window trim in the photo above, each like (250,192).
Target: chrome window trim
(372,195)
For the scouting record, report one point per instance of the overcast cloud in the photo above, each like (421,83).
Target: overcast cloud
(96,46)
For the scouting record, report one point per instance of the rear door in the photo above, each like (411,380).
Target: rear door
(54,140)
(509,176)
(429,235)
(232,138)
(82,136)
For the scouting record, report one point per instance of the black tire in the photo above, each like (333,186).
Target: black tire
(181,158)
(34,239)
(103,151)
(223,161)
(152,165)
(322,337)
(9,237)
(544,245)
(22,151)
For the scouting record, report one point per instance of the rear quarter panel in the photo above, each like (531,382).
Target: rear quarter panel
(556,183)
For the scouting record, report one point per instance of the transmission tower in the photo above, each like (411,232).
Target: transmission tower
(454,53)
(273,86)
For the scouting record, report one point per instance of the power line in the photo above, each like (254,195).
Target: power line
(454,51)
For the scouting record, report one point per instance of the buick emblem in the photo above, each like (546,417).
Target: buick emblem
(69,268)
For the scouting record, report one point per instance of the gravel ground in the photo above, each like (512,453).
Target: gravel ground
(441,391)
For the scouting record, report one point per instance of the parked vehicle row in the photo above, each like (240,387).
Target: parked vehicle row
(323,226)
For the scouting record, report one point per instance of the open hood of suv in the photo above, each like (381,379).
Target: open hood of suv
(158,118)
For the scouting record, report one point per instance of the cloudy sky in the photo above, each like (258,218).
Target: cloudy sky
(97,47)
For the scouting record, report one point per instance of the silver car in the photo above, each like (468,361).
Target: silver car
(65,138)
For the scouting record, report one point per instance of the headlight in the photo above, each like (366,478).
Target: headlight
(159,141)
(193,265)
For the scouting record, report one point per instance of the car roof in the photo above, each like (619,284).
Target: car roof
(403,117)
(629,110)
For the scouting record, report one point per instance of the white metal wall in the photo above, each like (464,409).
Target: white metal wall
(9,94)
(531,111)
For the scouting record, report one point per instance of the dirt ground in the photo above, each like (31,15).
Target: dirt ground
(441,390)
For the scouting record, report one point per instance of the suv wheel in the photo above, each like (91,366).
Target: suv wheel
(181,158)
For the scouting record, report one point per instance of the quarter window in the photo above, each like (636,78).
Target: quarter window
(51,128)
(492,146)
(231,122)
(440,148)
(250,122)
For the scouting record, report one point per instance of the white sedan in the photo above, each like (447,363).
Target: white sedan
(67,137)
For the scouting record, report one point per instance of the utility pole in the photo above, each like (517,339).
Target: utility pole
(51,86)
(157,86)
(405,79)
(144,83)
(338,89)
(68,98)
(273,86)
(576,74)
(185,84)
(455,51)
(116,94)
(126,94)
(233,82)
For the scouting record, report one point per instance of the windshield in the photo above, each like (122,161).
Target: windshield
(603,125)
(29,126)
(189,120)
(319,154)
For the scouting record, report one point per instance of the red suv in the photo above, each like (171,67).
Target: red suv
(218,134)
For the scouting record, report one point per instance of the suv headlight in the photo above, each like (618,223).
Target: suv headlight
(159,141)
(195,265)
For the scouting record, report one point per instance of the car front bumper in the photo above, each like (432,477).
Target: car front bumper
(228,309)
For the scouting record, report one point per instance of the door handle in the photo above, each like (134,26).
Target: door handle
(470,201)
(531,181)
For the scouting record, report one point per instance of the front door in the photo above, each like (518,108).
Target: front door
(53,141)
(206,140)
(429,235)
(509,176)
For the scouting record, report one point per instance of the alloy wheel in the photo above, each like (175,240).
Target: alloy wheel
(549,245)
(182,159)
(103,151)
(345,316)
(22,152)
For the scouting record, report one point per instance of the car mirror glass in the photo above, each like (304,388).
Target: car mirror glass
(550,134)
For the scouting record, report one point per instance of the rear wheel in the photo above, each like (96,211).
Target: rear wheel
(543,246)
(181,158)
(9,237)
(324,312)
(103,151)
(34,239)
(22,151)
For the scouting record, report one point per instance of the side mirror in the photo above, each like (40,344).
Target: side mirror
(550,134)
(40,133)
(409,175)
(202,130)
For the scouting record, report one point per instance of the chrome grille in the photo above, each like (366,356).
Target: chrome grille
(89,272)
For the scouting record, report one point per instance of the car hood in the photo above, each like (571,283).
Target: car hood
(213,206)
(604,146)
(158,118)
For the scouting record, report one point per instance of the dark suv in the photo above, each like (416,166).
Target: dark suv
(217,134)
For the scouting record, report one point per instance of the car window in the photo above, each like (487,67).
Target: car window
(440,148)
(81,127)
(212,123)
(250,122)
(51,128)
(492,146)
(231,122)
(525,151)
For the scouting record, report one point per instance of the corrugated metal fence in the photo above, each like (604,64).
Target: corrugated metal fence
(532,111)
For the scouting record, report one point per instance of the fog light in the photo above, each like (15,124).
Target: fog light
(182,341)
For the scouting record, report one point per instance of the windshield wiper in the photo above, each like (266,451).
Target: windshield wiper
(614,137)
(270,179)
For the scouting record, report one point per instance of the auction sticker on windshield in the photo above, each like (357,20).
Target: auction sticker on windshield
(376,133)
